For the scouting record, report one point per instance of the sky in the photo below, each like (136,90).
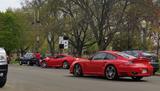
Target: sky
(5,4)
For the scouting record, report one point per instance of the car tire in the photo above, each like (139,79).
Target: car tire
(37,63)
(154,72)
(3,82)
(65,65)
(29,63)
(111,72)
(137,78)
(77,71)
(44,64)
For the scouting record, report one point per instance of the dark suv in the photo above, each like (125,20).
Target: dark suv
(3,67)
(151,56)
(29,59)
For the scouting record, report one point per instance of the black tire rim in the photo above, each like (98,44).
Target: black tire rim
(110,72)
(3,82)
(65,65)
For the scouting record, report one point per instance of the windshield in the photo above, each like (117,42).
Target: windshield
(125,55)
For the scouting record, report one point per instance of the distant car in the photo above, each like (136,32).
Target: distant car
(112,65)
(29,59)
(61,60)
(151,56)
(3,67)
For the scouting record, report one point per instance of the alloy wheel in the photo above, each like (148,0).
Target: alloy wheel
(65,65)
(78,70)
(111,73)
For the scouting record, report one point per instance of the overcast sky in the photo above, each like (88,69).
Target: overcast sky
(5,4)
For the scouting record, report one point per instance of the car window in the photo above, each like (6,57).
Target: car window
(132,53)
(110,57)
(28,55)
(135,54)
(99,56)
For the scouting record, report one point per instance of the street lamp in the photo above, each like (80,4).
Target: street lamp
(144,25)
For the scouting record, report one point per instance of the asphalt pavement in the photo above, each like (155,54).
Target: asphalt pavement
(26,78)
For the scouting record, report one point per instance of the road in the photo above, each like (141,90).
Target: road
(25,78)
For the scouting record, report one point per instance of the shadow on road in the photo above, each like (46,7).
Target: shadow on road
(122,79)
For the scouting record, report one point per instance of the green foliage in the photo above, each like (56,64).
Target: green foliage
(9,31)
(90,24)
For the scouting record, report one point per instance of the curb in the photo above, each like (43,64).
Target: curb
(157,74)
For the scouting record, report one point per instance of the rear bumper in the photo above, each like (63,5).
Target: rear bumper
(3,71)
(136,71)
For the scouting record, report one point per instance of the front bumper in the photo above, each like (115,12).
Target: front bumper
(3,70)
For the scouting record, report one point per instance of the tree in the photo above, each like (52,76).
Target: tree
(9,31)
(131,36)
(102,16)
(76,27)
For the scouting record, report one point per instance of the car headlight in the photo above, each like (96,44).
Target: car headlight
(3,59)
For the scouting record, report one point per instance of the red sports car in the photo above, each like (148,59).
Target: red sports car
(61,60)
(112,65)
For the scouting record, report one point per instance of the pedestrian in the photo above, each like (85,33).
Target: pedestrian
(38,57)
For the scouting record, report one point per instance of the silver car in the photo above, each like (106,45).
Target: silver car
(3,67)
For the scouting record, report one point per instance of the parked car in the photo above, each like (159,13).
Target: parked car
(3,67)
(61,60)
(112,65)
(29,59)
(153,58)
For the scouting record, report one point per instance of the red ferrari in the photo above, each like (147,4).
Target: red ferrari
(61,60)
(112,65)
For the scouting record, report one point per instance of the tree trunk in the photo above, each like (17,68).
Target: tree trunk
(101,45)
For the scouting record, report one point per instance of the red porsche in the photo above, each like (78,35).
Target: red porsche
(61,60)
(112,65)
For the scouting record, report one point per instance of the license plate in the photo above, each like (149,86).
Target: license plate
(144,71)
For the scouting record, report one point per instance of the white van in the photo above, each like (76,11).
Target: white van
(3,67)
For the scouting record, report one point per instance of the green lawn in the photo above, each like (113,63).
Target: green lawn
(14,62)
(158,71)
